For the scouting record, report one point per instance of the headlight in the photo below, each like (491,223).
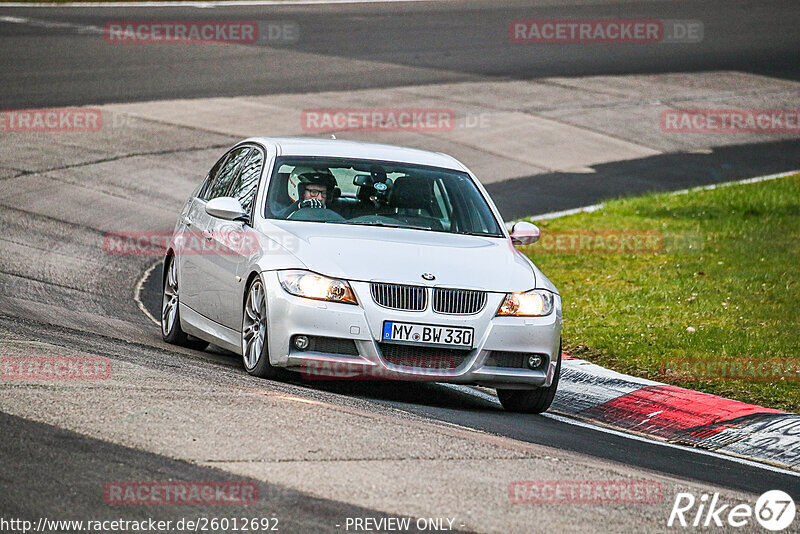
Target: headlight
(314,286)
(531,304)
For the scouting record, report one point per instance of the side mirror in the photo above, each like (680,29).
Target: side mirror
(524,233)
(227,208)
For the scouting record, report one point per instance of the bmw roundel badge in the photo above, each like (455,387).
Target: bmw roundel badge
(428,276)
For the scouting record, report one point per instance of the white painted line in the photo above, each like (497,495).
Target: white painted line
(568,420)
(557,214)
(206,5)
(39,23)
(595,207)
(137,293)
(738,182)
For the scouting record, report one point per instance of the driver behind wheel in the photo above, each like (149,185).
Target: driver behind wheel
(309,188)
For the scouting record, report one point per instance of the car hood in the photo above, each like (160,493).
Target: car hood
(369,253)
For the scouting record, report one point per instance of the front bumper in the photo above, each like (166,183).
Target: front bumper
(288,316)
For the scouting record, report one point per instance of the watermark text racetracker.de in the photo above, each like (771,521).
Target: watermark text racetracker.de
(65,120)
(244,242)
(585,492)
(55,368)
(201,32)
(423,369)
(605,31)
(152,493)
(320,120)
(615,242)
(733,121)
(771,370)
(51,120)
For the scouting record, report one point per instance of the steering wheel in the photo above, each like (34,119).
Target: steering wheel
(315,214)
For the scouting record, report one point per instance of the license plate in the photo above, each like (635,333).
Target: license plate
(424,334)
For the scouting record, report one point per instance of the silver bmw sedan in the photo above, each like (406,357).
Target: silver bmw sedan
(338,259)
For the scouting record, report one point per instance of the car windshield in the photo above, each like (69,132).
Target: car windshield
(378,193)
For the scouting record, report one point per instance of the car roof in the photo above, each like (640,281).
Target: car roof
(309,146)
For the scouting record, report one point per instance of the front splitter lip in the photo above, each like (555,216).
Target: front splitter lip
(321,366)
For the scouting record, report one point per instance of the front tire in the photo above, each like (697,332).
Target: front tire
(531,400)
(255,351)
(171,330)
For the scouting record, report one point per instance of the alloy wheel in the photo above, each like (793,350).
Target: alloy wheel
(169,302)
(254,326)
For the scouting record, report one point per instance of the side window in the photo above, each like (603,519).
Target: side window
(244,190)
(210,177)
(221,183)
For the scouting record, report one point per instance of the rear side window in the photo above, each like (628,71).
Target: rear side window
(210,176)
(220,183)
(244,190)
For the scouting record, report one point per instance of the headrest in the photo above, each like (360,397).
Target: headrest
(411,192)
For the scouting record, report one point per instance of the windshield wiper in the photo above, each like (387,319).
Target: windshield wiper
(389,225)
(486,234)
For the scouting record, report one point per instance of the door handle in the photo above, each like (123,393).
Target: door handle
(187,221)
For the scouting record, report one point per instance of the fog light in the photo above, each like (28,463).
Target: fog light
(534,361)
(301,342)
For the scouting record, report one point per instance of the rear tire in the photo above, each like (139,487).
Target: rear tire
(171,330)
(531,400)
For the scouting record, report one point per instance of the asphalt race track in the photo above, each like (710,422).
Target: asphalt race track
(319,452)
(424,42)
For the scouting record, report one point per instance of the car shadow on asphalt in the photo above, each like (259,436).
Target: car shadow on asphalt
(403,391)
(413,392)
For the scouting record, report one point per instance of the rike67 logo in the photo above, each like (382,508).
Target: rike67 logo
(774,511)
